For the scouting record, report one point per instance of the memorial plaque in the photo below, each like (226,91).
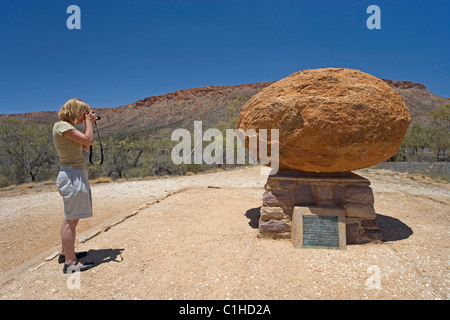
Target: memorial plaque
(314,227)
(320,231)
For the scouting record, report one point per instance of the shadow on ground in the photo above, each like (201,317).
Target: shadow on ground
(253,215)
(104,256)
(392,229)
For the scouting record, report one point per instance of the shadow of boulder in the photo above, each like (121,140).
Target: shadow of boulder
(392,229)
(253,215)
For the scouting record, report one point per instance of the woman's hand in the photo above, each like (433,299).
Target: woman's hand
(91,116)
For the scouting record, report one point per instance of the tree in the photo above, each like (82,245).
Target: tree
(439,141)
(29,146)
(233,111)
(439,133)
(123,153)
(441,117)
(414,141)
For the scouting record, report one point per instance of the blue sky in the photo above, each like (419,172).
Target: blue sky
(129,50)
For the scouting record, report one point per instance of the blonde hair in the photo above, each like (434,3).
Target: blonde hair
(72,110)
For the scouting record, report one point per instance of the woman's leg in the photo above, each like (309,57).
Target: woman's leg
(68,234)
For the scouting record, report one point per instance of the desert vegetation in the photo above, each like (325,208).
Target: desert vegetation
(427,142)
(28,154)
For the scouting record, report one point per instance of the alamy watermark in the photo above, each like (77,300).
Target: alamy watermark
(74,279)
(190,150)
(374,20)
(374,280)
(74,20)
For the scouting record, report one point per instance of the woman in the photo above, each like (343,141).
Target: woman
(72,181)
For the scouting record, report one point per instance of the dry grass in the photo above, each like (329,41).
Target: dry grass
(7,188)
(47,182)
(101,180)
(28,185)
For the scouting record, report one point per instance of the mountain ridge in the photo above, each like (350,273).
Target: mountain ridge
(180,108)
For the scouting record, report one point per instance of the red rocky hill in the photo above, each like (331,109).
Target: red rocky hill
(180,108)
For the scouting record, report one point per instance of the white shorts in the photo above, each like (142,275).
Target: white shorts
(73,186)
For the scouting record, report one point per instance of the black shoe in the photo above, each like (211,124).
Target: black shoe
(74,268)
(79,255)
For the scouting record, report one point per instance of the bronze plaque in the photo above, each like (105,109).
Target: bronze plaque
(314,227)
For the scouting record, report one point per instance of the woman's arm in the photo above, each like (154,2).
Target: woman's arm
(85,139)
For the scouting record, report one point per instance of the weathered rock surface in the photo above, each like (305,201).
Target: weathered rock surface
(329,120)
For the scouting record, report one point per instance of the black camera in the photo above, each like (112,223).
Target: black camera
(98,117)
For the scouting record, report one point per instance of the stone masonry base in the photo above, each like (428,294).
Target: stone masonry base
(345,190)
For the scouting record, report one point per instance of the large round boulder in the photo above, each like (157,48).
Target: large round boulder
(329,120)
